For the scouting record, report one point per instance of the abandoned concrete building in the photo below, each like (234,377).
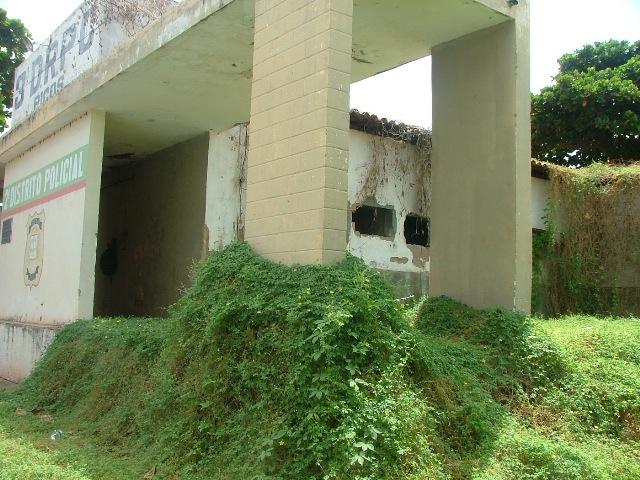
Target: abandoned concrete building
(133,154)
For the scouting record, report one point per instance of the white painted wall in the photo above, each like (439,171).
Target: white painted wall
(397,185)
(540,194)
(226,186)
(396,166)
(65,291)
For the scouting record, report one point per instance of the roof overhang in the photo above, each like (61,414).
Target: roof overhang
(190,71)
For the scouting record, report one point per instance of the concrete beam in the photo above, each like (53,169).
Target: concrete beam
(504,6)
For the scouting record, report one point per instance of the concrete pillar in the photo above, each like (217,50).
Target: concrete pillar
(91,215)
(481,220)
(298,153)
(226,187)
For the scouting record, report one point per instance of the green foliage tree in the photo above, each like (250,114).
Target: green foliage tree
(15,41)
(592,112)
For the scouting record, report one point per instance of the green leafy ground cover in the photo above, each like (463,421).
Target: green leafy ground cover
(270,372)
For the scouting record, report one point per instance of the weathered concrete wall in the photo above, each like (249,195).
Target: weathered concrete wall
(392,174)
(51,200)
(152,219)
(86,37)
(21,346)
(226,187)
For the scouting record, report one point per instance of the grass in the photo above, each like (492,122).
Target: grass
(28,453)
(268,372)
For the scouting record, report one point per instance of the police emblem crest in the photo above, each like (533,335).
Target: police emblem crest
(34,250)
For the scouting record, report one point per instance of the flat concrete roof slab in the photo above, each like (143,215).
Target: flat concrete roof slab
(190,71)
(390,33)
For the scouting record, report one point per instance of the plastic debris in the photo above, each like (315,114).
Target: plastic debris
(56,435)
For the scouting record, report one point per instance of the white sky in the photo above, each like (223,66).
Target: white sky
(557,27)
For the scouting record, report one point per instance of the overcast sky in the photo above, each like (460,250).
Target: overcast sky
(557,27)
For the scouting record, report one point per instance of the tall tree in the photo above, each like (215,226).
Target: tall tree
(15,42)
(592,112)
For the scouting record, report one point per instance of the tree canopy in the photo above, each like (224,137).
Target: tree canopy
(592,111)
(15,42)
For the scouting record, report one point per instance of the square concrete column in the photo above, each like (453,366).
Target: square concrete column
(481,221)
(298,151)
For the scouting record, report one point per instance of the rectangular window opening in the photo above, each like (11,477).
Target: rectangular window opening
(416,230)
(7,230)
(374,220)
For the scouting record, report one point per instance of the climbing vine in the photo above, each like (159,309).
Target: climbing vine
(418,166)
(132,15)
(421,168)
(588,261)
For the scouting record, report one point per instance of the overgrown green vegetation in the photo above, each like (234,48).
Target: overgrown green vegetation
(271,372)
(592,111)
(589,258)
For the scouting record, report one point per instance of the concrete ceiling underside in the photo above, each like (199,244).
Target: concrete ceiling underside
(200,79)
(390,33)
(198,82)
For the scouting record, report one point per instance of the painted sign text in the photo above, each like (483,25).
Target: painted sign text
(62,173)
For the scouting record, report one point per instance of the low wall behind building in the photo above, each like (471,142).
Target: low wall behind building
(392,175)
(590,261)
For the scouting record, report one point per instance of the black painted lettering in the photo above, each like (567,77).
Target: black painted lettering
(50,66)
(86,33)
(68,39)
(18,95)
(36,74)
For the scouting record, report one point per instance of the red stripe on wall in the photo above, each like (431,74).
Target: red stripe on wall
(47,198)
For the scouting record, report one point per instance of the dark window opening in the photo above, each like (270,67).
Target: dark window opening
(416,230)
(7,229)
(377,221)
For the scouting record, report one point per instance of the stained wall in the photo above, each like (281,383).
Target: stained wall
(152,218)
